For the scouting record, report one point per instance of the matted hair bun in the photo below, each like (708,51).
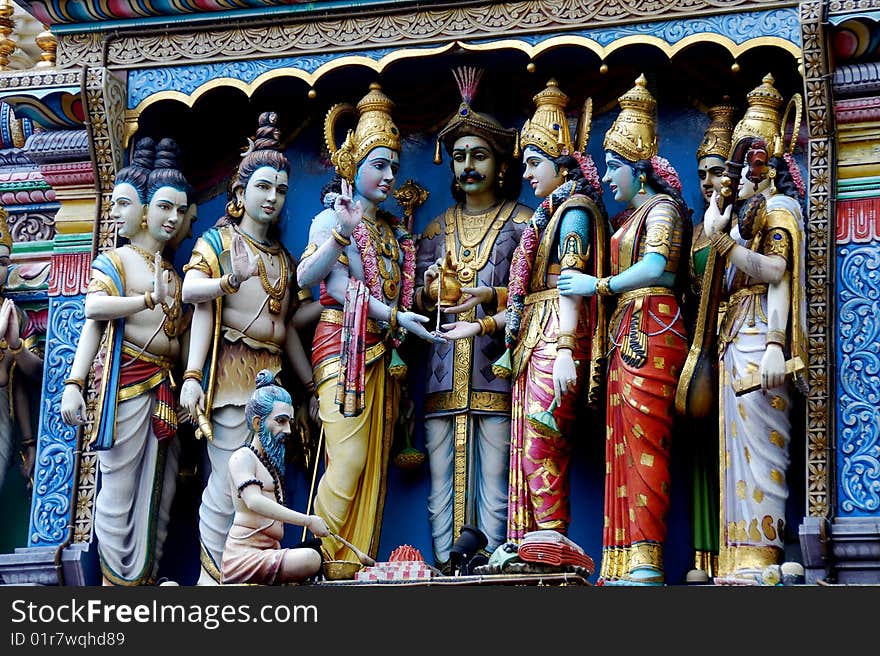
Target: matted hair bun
(265,378)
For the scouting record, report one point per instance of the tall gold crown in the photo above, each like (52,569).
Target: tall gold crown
(762,117)
(633,133)
(548,128)
(5,236)
(375,129)
(717,137)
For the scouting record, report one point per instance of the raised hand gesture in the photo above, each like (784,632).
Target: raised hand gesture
(714,221)
(243,265)
(161,281)
(348,212)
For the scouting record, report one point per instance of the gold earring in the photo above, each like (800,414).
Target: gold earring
(563,172)
(144,219)
(772,175)
(235,209)
(642,183)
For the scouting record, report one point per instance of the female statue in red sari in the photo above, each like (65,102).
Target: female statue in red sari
(647,339)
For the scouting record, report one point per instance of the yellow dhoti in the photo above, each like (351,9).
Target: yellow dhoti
(351,493)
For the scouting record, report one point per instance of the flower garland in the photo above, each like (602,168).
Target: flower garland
(588,168)
(665,170)
(524,258)
(370,260)
(795,174)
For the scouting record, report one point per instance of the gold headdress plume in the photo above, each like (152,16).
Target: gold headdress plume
(633,133)
(5,236)
(717,137)
(466,121)
(548,128)
(762,116)
(375,128)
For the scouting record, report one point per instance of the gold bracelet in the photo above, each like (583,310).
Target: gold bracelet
(193,374)
(392,320)
(16,351)
(603,287)
(775,337)
(30,441)
(148,300)
(566,341)
(723,243)
(75,381)
(226,285)
(488,325)
(341,239)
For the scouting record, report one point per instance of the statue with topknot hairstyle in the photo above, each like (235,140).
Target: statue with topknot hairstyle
(241,280)
(252,553)
(480,231)
(134,302)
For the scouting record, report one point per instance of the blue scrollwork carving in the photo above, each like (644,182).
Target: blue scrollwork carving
(53,475)
(858,383)
(739,28)
(186,79)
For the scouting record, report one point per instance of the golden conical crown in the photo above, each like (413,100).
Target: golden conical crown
(633,134)
(548,128)
(762,117)
(375,128)
(717,137)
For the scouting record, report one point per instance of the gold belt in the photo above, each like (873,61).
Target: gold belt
(545,295)
(333,316)
(740,294)
(641,292)
(158,360)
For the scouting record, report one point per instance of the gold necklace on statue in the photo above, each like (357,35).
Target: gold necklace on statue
(172,312)
(386,247)
(474,241)
(275,292)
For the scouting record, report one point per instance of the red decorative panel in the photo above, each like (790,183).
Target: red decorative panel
(858,220)
(70,274)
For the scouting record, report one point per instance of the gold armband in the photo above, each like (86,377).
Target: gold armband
(341,239)
(566,341)
(308,250)
(16,351)
(488,325)
(227,286)
(603,287)
(193,374)
(722,243)
(775,337)
(304,295)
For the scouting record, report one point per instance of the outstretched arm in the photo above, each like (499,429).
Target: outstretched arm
(242,470)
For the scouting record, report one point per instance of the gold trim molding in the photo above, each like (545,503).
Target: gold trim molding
(820,253)
(300,36)
(530,50)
